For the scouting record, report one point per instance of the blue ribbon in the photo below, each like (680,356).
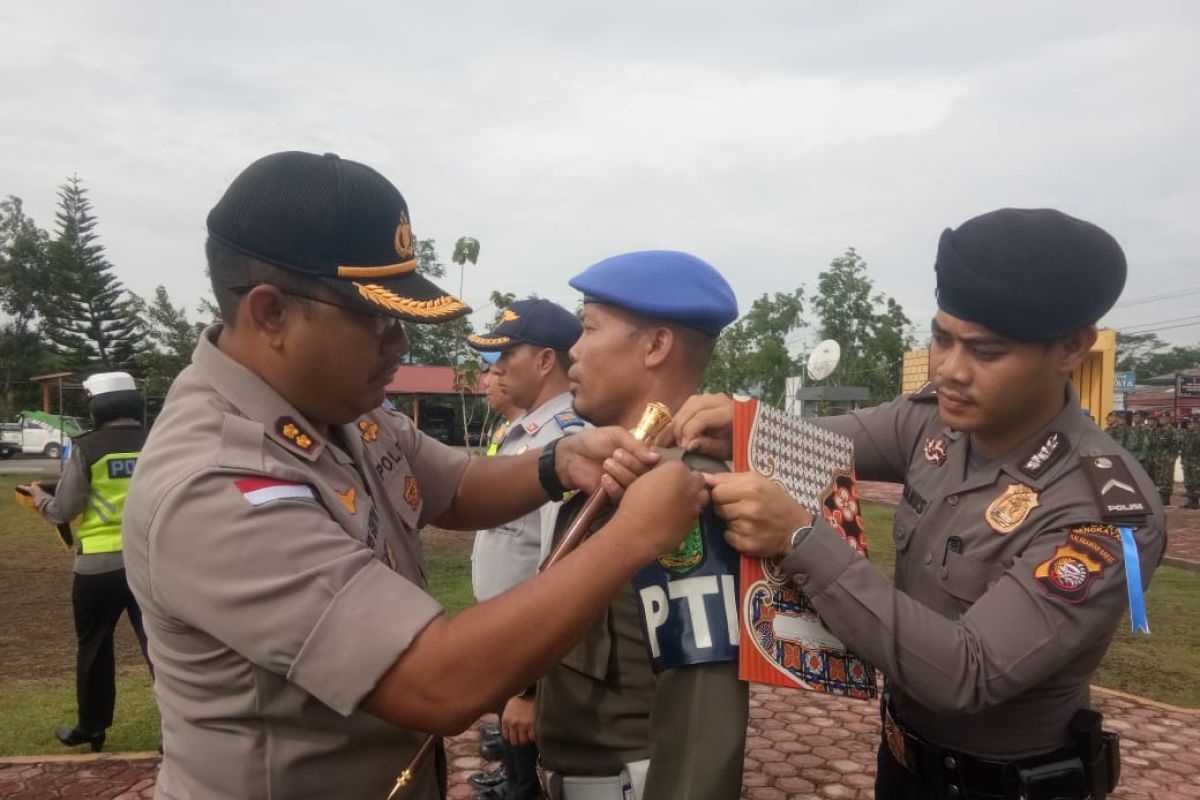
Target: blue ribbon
(1133,580)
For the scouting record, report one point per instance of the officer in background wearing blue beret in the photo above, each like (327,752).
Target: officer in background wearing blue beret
(649,704)
(531,341)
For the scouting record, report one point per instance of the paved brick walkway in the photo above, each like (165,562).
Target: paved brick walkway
(799,745)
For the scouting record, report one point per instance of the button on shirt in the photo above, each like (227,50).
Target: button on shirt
(280,576)
(1008,587)
(505,556)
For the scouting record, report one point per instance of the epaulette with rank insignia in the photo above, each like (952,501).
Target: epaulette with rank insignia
(1121,501)
(926,394)
(568,419)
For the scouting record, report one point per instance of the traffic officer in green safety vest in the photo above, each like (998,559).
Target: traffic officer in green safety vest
(94,483)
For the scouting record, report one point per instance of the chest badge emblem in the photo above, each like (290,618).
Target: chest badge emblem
(349,499)
(936,451)
(412,492)
(1009,510)
(369,430)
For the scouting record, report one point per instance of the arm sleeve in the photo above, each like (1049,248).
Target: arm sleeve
(70,497)
(884,437)
(1016,634)
(698,733)
(284,586)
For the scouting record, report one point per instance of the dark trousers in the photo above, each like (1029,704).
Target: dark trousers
(99,601)
(894,782)
(520,764)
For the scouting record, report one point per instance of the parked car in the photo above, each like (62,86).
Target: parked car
(38,433)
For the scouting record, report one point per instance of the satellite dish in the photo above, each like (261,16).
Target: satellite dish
(823,360)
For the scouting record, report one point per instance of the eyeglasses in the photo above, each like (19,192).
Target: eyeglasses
(379,324)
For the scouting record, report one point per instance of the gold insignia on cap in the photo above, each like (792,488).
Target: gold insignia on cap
(404,239)
(509,316)
(289,429)
(484,341)
(348,499)
(437,308)
(1009,510)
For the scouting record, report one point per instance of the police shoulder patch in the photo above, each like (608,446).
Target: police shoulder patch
(1074,566)
(568,419)
(1048,451)
(291,430)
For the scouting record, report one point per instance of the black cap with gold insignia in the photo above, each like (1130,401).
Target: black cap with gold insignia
(533,321)
(336,221)
(1029,274)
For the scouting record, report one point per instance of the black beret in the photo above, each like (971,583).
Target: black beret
(1029,274)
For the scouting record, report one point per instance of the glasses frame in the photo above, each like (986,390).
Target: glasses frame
(378,323)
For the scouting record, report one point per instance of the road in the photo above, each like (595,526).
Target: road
(24,465)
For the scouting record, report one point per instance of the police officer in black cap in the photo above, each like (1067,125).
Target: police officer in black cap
(1022,531)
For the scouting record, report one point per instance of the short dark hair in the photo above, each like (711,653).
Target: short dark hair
(564,360)
(229,267)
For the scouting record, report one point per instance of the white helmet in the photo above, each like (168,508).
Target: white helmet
(105,382)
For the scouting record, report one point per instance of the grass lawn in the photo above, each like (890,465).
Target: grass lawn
(37,646)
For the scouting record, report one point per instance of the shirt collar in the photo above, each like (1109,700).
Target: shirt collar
(533,421)
(254,398)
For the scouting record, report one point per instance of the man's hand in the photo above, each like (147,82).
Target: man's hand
(516,723)
(660,507)
(760,516)
(586,460)
(703,425)
(35,491)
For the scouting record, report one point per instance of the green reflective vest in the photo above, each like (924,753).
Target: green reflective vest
(100,531)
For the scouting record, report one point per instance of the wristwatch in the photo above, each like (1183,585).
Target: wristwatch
(548,475)
(799,534)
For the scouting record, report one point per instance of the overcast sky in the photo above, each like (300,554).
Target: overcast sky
(765,137)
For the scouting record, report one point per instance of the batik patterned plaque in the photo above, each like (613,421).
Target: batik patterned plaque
(784,641)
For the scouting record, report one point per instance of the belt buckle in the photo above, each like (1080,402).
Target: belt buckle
(895,740)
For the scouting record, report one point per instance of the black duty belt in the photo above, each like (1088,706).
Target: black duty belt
(1065,772)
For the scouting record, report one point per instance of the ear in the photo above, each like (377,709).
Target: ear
(266,313)
(1074,348)
(659,342)
(546,361)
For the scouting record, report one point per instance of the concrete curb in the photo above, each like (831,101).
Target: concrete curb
(1133,698)
(79,758)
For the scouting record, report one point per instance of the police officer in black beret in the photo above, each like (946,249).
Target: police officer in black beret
(1022,531)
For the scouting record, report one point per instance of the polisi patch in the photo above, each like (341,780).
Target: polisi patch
(568,419)
(121,467)
(1121,501)
(1052,448)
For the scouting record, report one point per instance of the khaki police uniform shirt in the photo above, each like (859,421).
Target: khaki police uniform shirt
(603,706)
(280,576)
(505,556)
(1004,602)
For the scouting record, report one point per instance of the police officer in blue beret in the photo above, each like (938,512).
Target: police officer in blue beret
(530,344)
(649,704)
(1024,534)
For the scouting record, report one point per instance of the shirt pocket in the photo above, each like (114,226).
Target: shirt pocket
(590,656)
(968,578)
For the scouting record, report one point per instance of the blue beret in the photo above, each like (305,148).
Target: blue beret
(533,321)
(663,284)
(1029,274)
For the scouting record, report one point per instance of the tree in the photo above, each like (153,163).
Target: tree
(752,354)
(1148,356)
(872,329)
(89,321)
(441,344)
(170,340)
(501,301)
(23,284)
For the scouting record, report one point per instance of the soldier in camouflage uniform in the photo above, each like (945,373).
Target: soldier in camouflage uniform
(1141,440)
(1163,449)
(1117,429)
(1189,451)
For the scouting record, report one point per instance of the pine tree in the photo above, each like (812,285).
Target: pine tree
(90,322)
